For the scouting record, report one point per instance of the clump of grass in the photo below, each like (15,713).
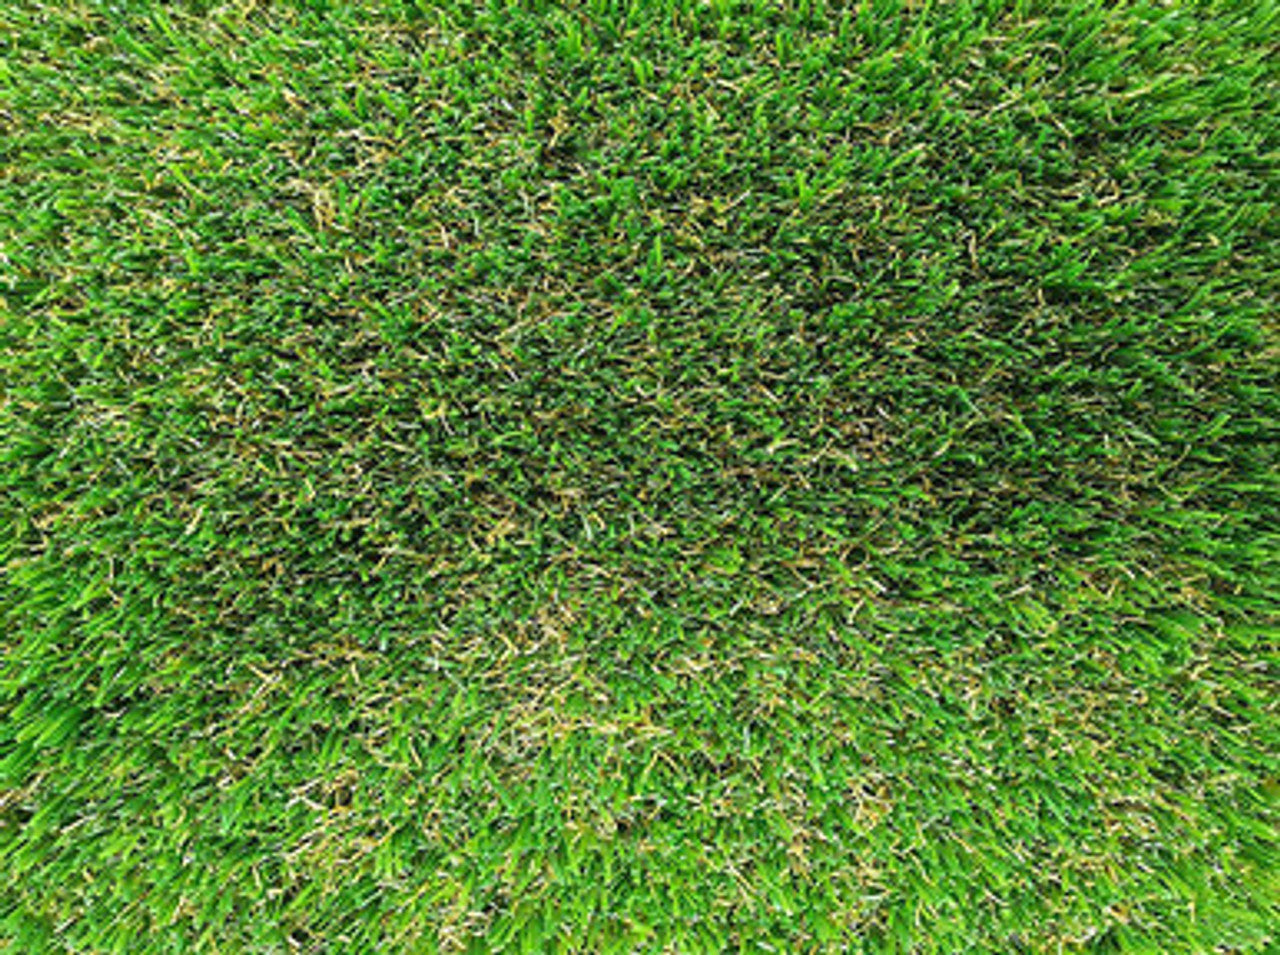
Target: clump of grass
(615,477)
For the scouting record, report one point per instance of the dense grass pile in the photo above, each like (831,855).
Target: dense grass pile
(603,478)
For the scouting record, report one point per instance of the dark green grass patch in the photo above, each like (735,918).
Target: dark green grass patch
(607,477)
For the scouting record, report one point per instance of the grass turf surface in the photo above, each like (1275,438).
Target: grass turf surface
(688,477)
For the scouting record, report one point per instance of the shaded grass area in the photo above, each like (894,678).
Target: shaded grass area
(668,476)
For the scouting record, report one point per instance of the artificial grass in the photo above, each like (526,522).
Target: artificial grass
(667,476)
